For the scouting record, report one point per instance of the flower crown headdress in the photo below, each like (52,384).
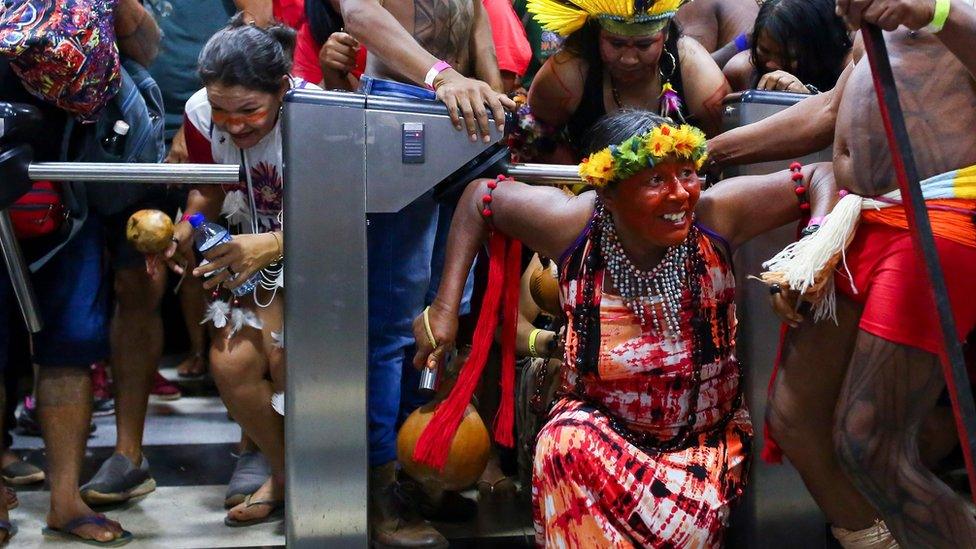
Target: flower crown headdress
(644,150)
(623,17)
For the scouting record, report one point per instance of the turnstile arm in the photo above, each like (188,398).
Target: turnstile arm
(185,174)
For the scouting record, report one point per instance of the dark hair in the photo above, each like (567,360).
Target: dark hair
(246,55)
(812,36)
(617,126)
(323,20)
(585,44)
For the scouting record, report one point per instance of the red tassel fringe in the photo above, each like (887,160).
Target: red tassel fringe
(503,280)
(505,419)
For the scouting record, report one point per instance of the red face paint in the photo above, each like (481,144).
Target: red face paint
(656,205)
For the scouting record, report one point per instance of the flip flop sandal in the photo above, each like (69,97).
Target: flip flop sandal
(8,528)
(20,473)
(66,532)
(277,513)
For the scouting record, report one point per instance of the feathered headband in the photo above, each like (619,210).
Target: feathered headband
(623,17)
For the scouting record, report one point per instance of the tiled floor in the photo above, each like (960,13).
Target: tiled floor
(188,443)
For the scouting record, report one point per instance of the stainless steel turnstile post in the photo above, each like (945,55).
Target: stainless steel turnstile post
(347,155)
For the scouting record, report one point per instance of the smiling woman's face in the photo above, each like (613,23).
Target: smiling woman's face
(247,115)
(657,204)
(630,58)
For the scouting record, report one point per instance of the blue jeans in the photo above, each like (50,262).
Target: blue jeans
(72,294)
(399,247)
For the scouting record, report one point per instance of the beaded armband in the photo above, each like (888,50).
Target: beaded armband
(799,187)
(487,198)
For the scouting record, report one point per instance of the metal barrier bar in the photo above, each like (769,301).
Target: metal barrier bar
(562,173)
(17,269)
(194,174)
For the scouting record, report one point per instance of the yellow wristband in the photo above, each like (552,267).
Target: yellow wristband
(940,16)
(532,335)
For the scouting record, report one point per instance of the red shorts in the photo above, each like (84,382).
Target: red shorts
(893,286)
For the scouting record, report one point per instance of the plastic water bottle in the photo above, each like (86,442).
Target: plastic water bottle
(208,235)
(115,143)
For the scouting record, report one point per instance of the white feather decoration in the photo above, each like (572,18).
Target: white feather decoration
(235,208)
(240,317)
(278,403)
(217,313)
(278,339)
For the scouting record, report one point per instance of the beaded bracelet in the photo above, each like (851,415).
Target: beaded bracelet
(799,188)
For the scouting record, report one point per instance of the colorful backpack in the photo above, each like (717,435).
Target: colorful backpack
(63,51)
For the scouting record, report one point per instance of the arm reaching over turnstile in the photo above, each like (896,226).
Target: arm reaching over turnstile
(373,24)
(809,125)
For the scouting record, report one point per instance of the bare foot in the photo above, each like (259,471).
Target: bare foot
(103,532)
(192,366)
(268,498)
(493,482)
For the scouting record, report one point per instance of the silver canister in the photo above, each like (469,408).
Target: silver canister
(428,381)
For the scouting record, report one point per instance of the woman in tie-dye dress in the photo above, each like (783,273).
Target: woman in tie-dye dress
(649,442)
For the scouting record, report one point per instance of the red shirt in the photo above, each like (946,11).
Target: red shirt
(289,12)
(511,45)
(306,62)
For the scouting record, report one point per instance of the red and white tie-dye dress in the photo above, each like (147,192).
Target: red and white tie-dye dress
(592,486)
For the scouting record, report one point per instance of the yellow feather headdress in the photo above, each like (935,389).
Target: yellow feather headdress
(625,17)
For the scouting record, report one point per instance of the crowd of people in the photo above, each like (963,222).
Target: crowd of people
(630,424)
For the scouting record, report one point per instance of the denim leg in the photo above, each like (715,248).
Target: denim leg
(399,247)
(444,217)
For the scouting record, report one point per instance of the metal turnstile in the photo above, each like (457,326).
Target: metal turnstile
(776,510)
(347,155)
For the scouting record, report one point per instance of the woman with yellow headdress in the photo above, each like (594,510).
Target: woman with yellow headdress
(620,54)
(647,444)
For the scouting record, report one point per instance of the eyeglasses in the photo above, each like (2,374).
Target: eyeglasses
(225,119)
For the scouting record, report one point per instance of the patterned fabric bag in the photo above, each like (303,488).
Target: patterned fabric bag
(63,51)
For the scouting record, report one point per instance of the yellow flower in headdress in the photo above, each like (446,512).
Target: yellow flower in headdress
(598,168)
(685,141)
(660,142)
(624,17)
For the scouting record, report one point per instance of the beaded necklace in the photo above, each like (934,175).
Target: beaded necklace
(662,284)
(586,319)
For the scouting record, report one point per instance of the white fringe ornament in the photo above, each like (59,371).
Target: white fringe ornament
(236,208)
(810,261)
(278,339)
